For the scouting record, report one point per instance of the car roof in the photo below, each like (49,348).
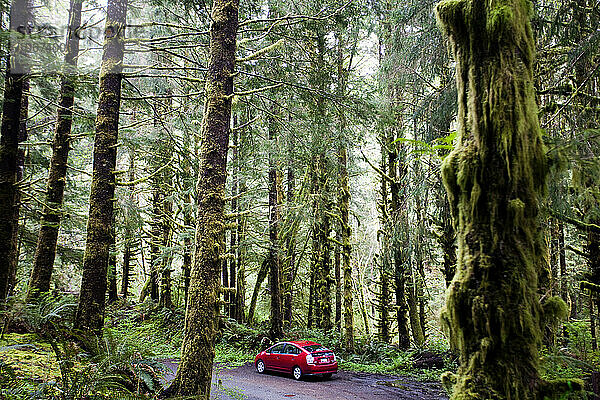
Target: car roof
(303,343)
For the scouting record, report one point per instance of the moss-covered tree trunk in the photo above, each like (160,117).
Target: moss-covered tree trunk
(447,240)
(188,222)
(187,249)
(16,75)
(292,230)
(343,294)
(240,292)
(397,171)
(337,274)
(383,263)
(155,237)
(45,251)
(495,178)
(90,311)
(348,309)
(322,257)
(128,252)
(276,327)
(112,263)
(194,374)
(15,249)
(263,272)
(234,209)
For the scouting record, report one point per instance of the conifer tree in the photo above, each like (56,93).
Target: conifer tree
(495,178)
(91,307)
(194,375)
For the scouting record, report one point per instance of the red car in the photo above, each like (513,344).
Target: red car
(298,358)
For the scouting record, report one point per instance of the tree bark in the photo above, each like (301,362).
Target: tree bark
(112,263)
(384,262)
(495,178)
(323,279)
(90,311)
(398,170)
(16,75)
(346,250)
(291,239)
(241,240)
(45,252)
(194,374)
(129,241)
(155,236)
(276,328)
(262,275)
(233,245)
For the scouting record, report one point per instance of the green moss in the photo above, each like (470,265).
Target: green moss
(555,309)
(30,358)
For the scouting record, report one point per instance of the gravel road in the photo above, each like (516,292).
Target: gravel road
(245,383)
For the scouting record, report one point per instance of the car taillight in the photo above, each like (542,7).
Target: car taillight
(310,359)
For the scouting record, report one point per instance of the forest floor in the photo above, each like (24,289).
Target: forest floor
(243,382)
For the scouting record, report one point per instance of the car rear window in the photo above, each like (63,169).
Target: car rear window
(314,347)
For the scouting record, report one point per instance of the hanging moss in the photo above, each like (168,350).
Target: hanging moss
(495,179)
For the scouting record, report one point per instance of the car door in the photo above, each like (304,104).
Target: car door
(288,359)
(272,359)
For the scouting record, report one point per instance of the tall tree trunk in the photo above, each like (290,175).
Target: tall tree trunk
(194,374)
(398,171)
(310,323)
(90,311)
(187,249)
(562,260)
(338,283)
(384,263)
(45,251)
(126,268)
(344,200)
(593,323)
(165,299)
(225,280)
(16,75)
(112,262)
(129,240)
(234,231)
(291,240)
(495,179)
(323,267)
(155,236)
(313,317)
(262,275)
(241,240)
(346,250)
(363,306)
(15,245)
(276,328)
(383,296)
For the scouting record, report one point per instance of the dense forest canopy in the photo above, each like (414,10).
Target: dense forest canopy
(413,184)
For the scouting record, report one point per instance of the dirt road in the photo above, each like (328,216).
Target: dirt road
(245,383)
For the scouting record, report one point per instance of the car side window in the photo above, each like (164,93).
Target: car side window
(277,349)
(291,349)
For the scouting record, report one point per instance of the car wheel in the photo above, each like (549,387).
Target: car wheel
(327,376)
(297,372)
(260,366)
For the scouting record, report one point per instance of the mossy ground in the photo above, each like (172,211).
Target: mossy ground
(30,358)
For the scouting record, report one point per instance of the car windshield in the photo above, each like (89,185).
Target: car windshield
(314,347)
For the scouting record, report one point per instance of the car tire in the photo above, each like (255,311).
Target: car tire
(327,376)
(297,373)
(260,367)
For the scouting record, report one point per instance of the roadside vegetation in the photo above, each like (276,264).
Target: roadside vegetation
(41,359)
